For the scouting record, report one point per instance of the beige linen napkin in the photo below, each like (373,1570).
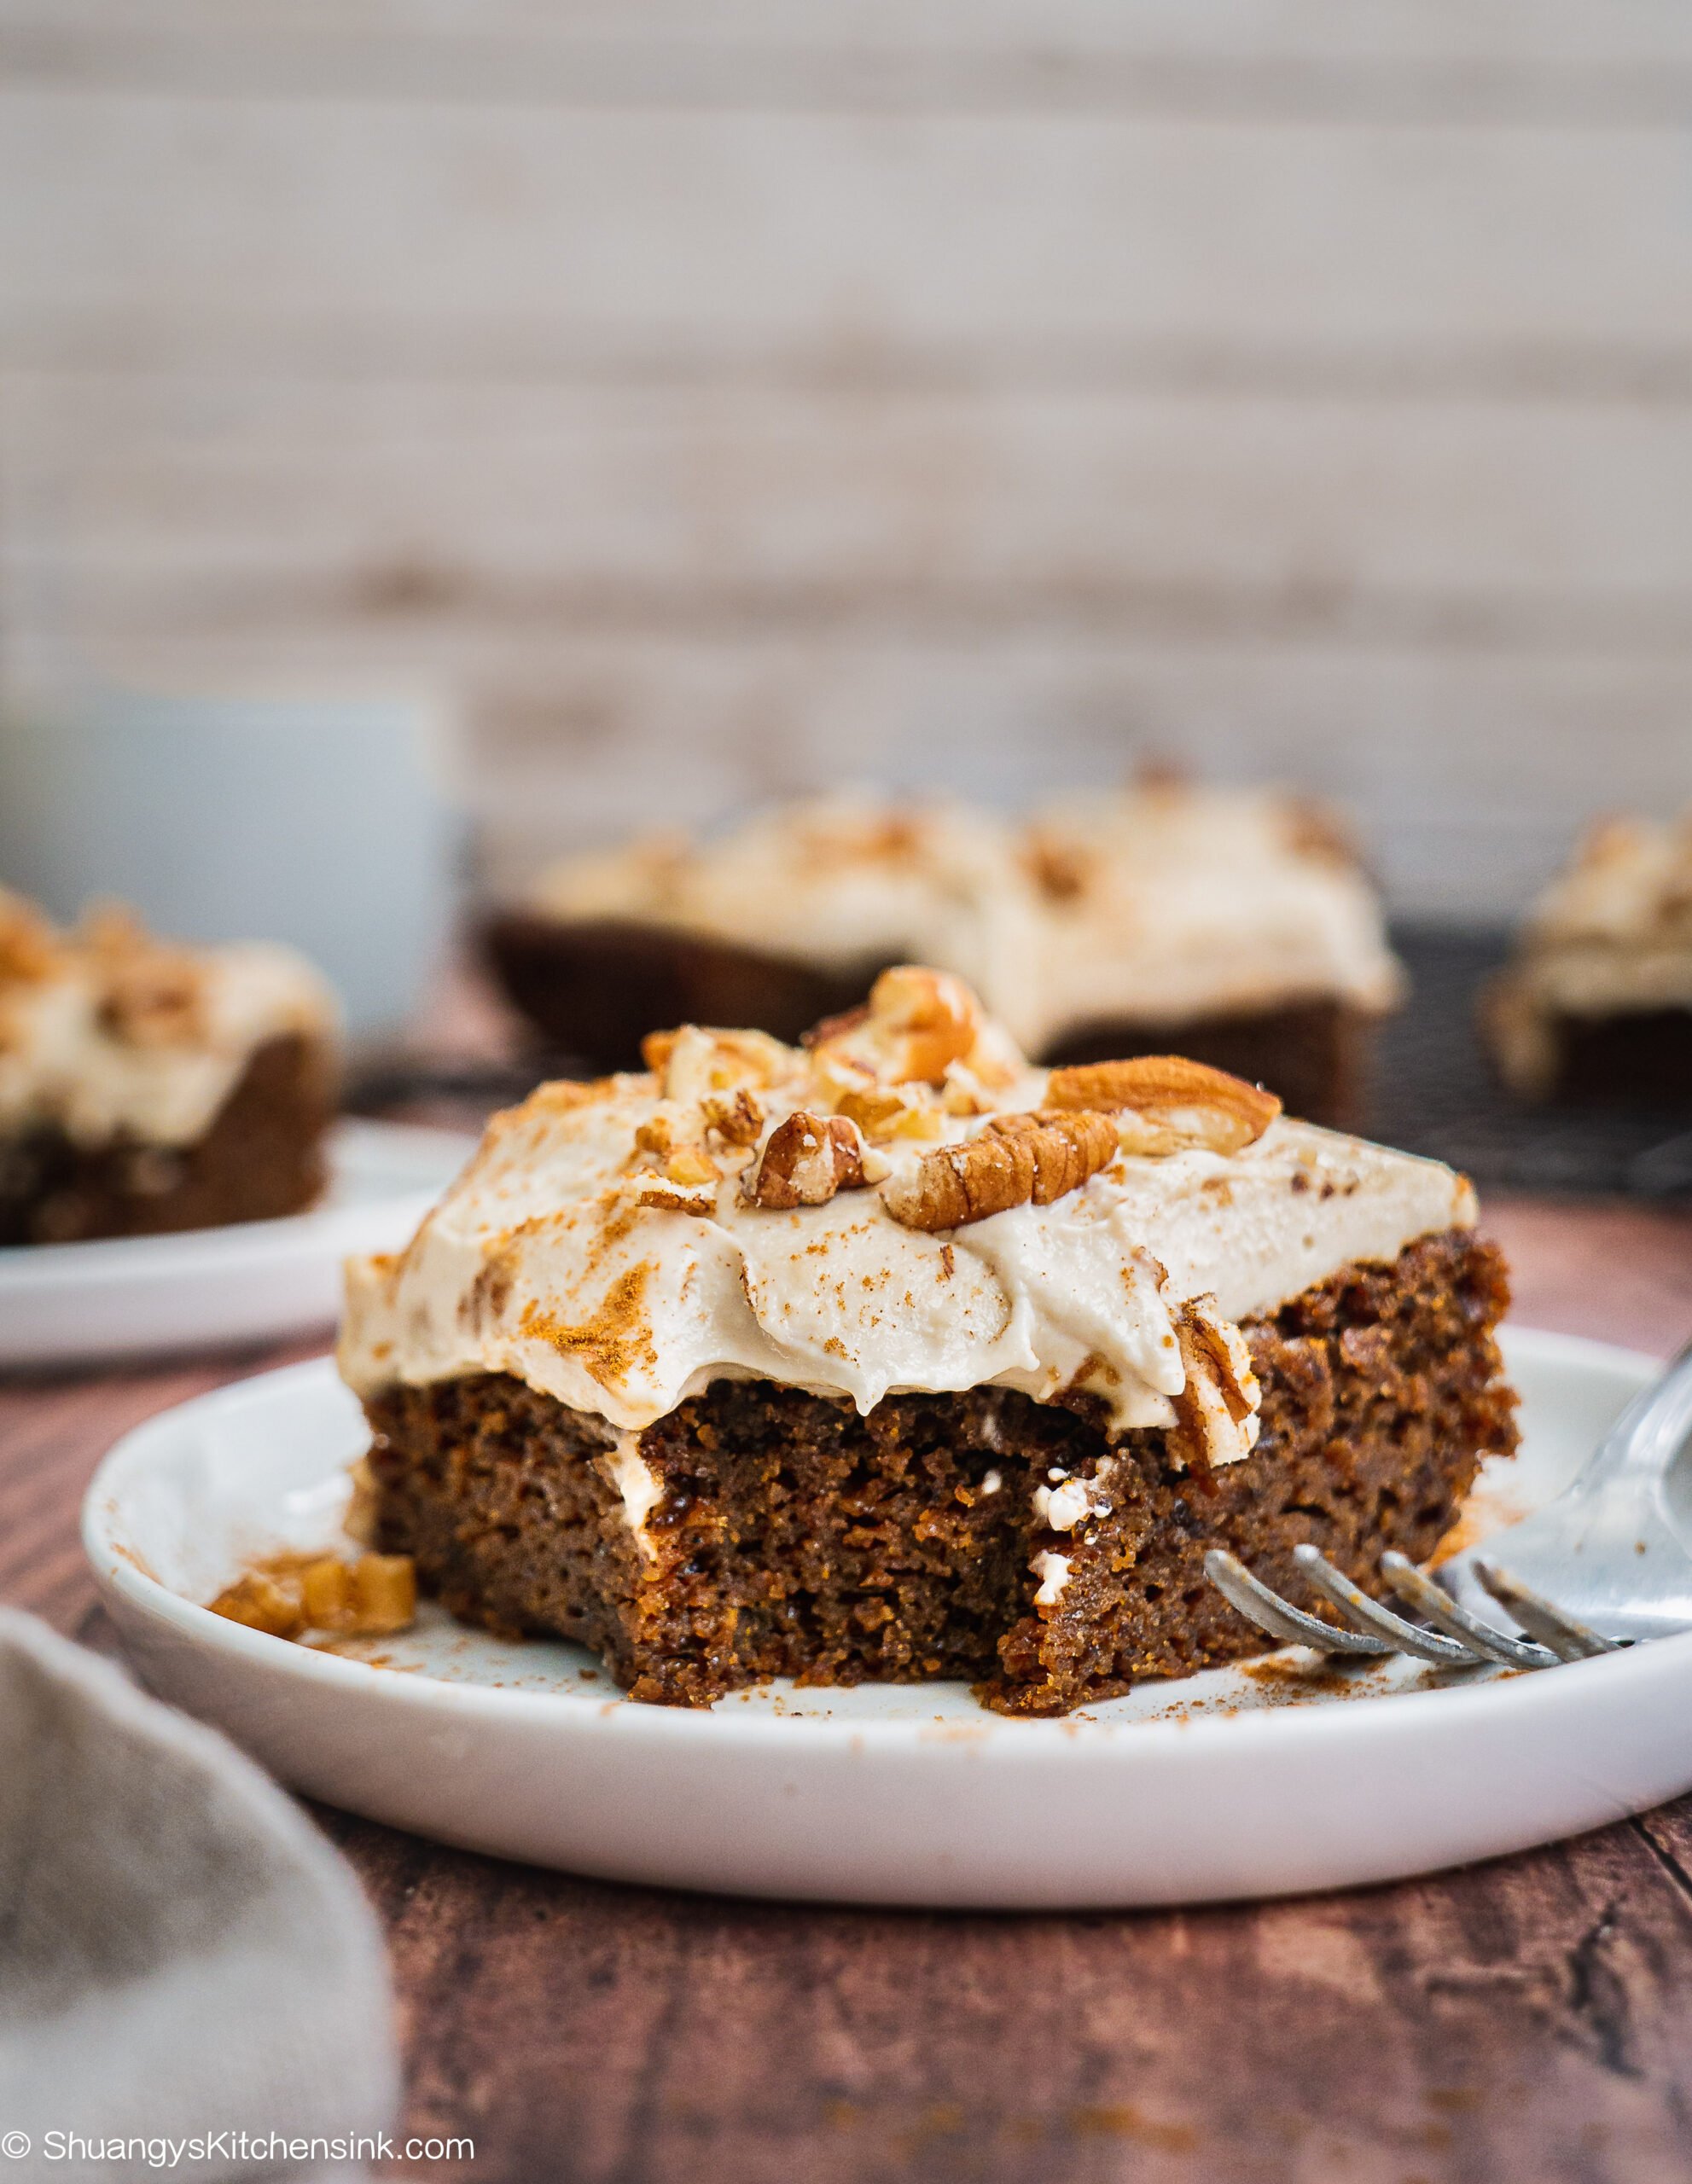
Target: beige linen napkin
(182,1955)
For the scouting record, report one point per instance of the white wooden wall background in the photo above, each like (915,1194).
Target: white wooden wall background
(721,398)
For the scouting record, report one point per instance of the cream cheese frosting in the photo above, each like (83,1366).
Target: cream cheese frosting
(106,1032)
(1165,903)
(607,1244)
(1611,934)
(1161,902)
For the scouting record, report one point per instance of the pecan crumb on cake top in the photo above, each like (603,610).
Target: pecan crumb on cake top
(902,1205)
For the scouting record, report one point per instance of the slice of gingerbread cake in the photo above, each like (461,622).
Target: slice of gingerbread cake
(146,1086)
(1595,1002)
(1237,926)
(889,1356)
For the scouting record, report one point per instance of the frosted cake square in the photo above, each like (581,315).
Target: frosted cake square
(892,1356)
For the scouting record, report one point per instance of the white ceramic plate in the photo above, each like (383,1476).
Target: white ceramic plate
(255,1280)
(1276,1777)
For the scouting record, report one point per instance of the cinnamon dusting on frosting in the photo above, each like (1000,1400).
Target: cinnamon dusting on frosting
(617,1338)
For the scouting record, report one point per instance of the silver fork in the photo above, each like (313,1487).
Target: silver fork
(1607,1563)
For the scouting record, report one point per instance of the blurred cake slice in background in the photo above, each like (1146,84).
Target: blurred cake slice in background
(893,1358)
(1596,1001)
(780,921)
(1236,926)
(148,1087)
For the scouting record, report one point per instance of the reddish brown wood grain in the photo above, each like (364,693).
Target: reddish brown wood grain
(1522,2023)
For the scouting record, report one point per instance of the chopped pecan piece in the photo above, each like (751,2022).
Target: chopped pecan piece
(889,1111)
(662,1196)
(833,1029)
(737,1119)
(1017,1159)
(917,1022)
(1164,1103)
(686,1181)
(692,1164)
(807,1159)
(30,949)
(694,1060)
(1218,1408)
(287,1594)
(154,998)
(656,1134)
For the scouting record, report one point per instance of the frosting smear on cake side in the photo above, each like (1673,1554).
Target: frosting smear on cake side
(904,1205)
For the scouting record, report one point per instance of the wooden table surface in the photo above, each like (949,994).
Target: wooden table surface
(1527,2020)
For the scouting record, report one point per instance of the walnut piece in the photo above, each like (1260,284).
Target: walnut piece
(1017,1159)
(685,1178)
(807,1159)
(1164,1103)
(149,994)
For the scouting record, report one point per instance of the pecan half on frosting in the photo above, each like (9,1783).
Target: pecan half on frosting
(1164,1103)
(1017,1159)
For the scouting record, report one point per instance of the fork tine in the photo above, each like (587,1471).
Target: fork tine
(1279,1617)
(1570,1640)
(1352,1600)
(1442,1611)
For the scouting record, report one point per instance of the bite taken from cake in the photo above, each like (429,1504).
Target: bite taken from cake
(890,1356)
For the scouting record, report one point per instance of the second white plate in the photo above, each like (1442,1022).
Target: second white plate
(205,1288)
(1281,1775)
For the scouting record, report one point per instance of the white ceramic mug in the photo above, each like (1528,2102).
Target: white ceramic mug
(327,823)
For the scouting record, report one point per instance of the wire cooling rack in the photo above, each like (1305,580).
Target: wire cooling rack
(1434,1092)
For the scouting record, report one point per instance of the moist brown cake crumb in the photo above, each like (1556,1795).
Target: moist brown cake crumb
(789,1536)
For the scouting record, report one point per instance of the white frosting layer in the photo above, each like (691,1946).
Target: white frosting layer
(1611,934)
(838,881)
(116,1036)
(543,1262)
(1174,903)
(1157,903)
